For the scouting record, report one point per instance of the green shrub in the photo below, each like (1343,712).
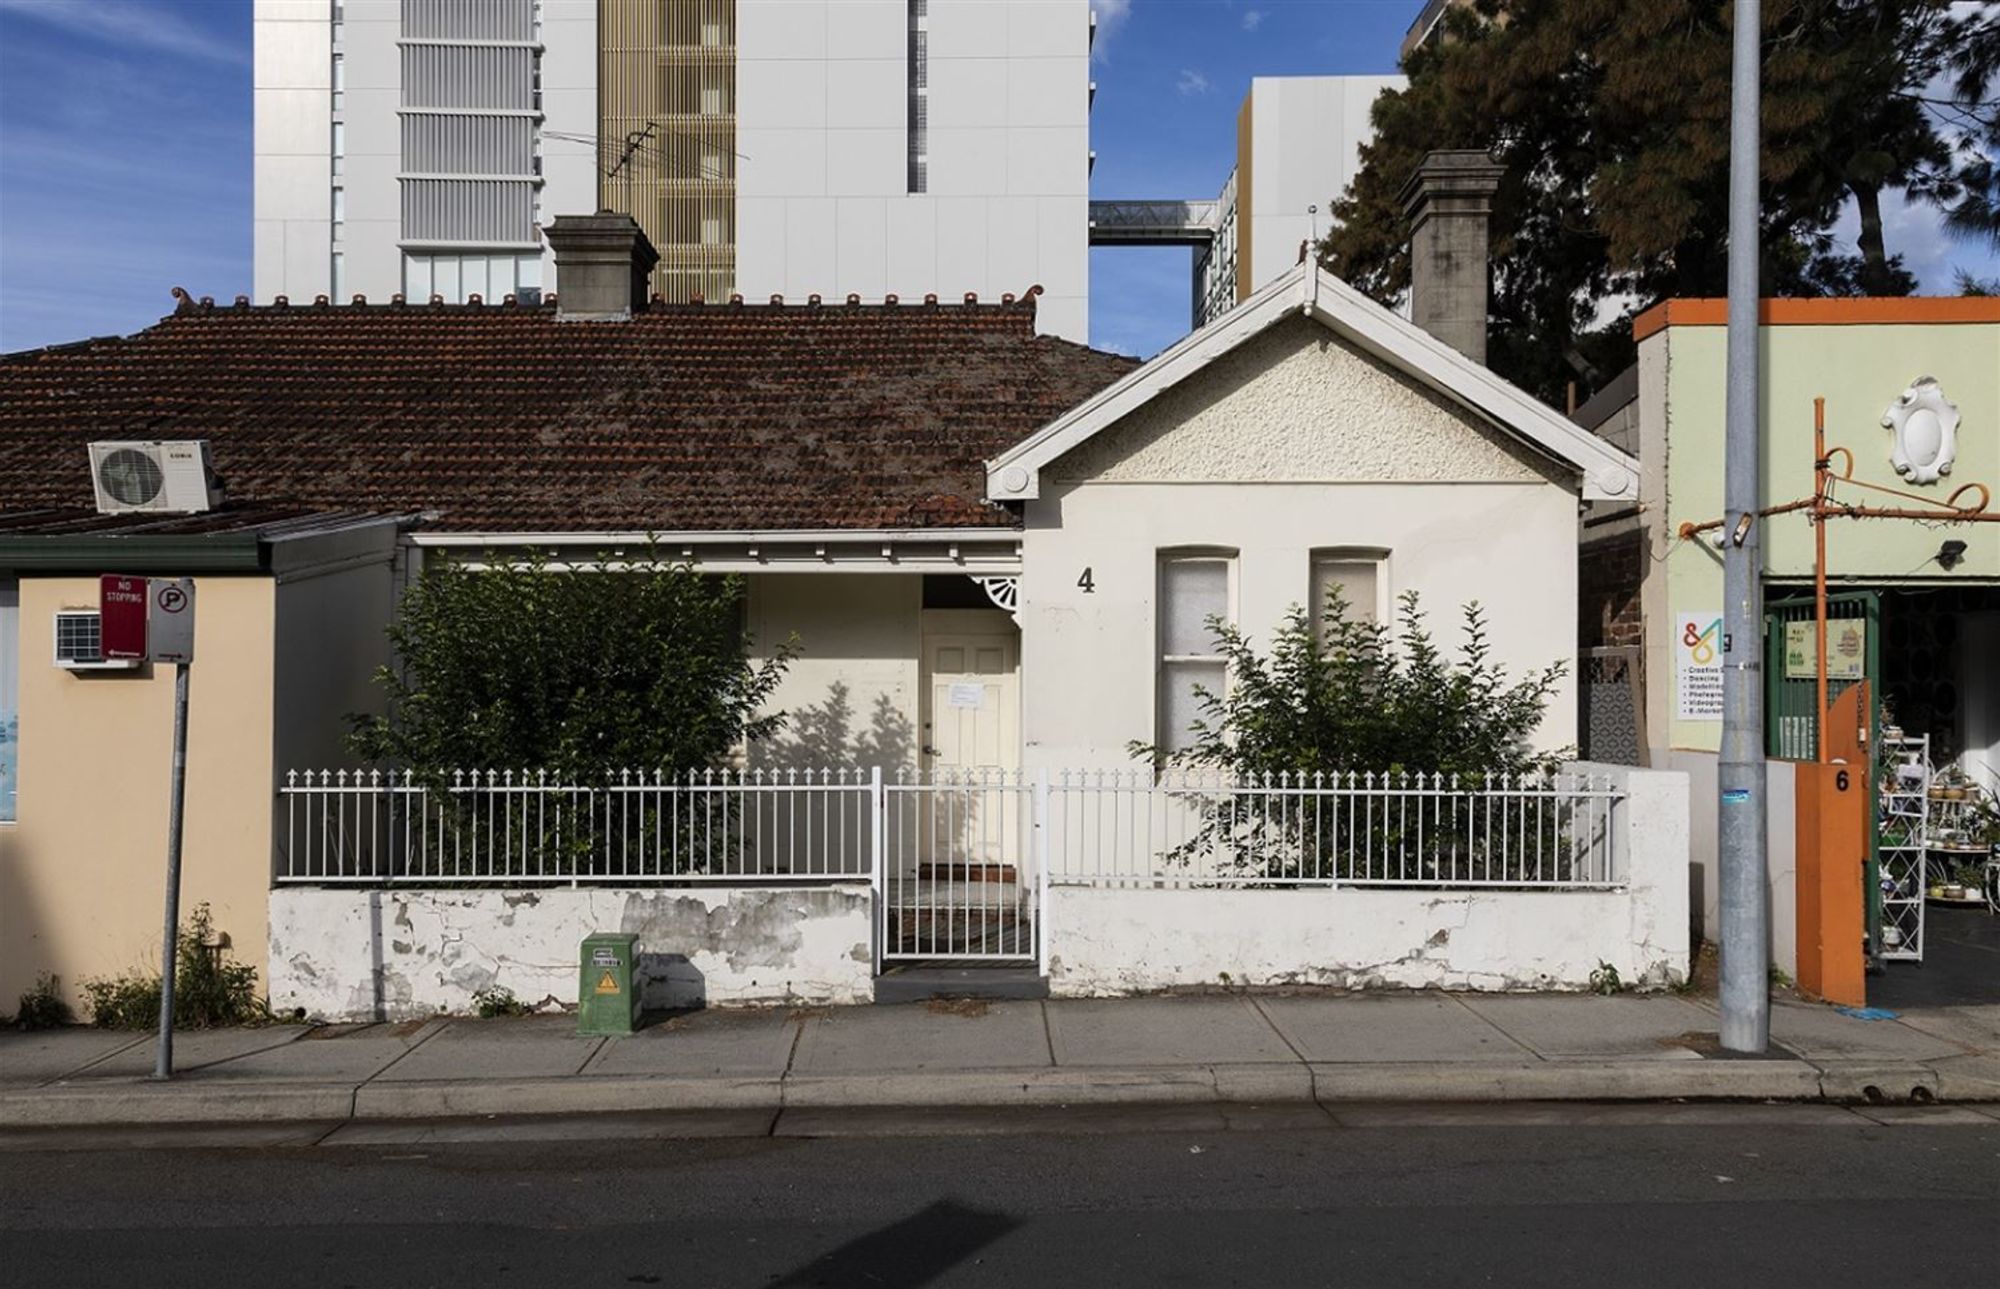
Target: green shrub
(1350,698)
(575,673)
(209,990)
(1605,980)
(42,1006)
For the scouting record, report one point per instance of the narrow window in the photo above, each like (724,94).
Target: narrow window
(1194,589)
(1359,576)
(919,124)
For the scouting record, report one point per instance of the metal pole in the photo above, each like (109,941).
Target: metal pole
(1740,824)
(163,1063)
(1820,753)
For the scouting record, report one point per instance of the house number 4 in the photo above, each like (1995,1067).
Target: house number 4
(1087,584)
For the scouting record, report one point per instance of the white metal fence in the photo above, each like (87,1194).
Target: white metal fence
(1141,828)
(972,842)
(508,827)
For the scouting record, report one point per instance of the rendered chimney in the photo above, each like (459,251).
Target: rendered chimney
(602,264)
(1449,200)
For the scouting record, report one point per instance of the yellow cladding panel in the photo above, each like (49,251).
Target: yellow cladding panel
(669,66)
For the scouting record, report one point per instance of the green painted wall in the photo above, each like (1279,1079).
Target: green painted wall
(1860,370)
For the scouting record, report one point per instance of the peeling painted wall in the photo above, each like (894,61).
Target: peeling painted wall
(350,954)
(1111,941)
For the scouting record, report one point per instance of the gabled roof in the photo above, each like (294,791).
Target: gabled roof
(506,419)
(1604,472)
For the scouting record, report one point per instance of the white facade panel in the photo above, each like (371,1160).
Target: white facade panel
(1047,162)
(865,163)
(966,163)
(968,93)
(1013,245)
(866,28)
(1046,91)
(979,28)
(861,226)
(779,93)
(794,29)
(1048,28)
(810,248)
(962,239)
(912,232)
(780,162)
(867,93)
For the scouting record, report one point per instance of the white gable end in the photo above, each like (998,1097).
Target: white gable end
(1298,404)
(1597,470)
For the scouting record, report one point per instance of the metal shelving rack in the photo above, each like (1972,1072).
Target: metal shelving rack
(1904,818)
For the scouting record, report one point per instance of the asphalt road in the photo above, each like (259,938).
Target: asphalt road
(1580,1196)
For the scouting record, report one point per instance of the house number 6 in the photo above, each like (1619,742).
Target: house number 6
(1087,584)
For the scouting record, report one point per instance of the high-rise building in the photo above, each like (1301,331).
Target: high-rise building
(767,147)
(1298,144)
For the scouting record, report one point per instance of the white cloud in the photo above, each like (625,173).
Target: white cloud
(1253,19)
(1111,15)
(128,26)
(1191,82)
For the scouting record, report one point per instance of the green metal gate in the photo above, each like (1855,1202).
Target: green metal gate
(1792,716)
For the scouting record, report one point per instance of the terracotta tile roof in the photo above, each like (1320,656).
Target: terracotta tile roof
(502,418)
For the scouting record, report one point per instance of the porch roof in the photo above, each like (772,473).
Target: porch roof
(503,419)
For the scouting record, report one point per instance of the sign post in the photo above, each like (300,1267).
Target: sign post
(165,633)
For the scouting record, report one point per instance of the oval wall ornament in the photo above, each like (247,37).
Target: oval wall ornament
(1925,424)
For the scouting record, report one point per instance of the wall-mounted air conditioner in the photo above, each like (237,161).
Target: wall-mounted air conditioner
(80,643)
(153,477)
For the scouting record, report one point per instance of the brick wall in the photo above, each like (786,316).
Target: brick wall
(1609,571)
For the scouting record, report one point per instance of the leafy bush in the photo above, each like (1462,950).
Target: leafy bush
(1354,696)
(209,990)
(497,1000)
(42,1006)
(575,673)
(1388,709)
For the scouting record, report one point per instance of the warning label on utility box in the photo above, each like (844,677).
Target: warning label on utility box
(607,983)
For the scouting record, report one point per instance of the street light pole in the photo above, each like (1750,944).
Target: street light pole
(1740,824)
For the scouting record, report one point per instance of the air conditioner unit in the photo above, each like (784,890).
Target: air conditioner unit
(153,477)
(80,643)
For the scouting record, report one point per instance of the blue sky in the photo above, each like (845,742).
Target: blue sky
(125,149)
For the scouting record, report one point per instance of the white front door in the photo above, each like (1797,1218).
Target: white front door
(971,700)
(958,888)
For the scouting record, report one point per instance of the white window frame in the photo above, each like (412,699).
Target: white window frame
(1163,739)
(1381,610)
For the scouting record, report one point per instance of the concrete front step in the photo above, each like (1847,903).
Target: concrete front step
(920,983)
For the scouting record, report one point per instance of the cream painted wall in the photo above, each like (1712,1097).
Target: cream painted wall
(1859,369)
(1301,444)
(82,874)
(850,695)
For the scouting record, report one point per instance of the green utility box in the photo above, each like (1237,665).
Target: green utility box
(608,984)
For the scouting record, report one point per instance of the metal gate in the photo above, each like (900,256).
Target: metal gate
(959,872)
(1611,693)
(1791,705)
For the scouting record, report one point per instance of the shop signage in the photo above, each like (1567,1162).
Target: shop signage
(1846,650)
(1698,665)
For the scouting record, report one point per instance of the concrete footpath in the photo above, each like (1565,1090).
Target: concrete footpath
(1263,1048)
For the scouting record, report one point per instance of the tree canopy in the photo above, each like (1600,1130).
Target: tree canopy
(1612,119)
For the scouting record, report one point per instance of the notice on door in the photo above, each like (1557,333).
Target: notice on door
(1846,650)
(1698,665)
(969,694)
